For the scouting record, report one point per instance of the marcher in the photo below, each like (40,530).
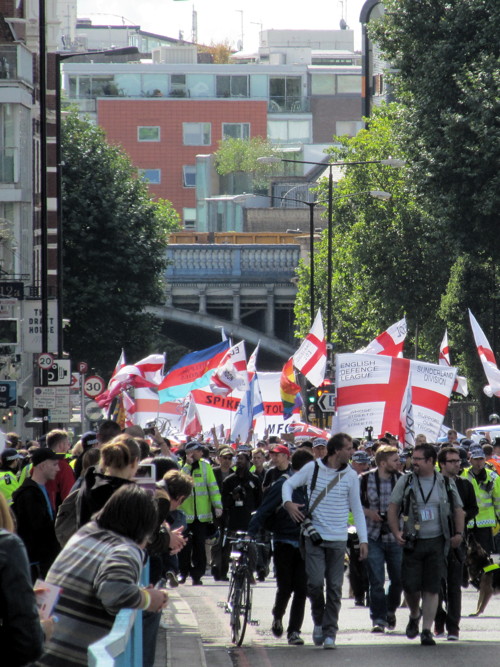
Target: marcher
(383,550)
(10,460)
(451,588)
(199,508)
(280,465)
(288,560)
(59,488)
(429,504)
(333,490)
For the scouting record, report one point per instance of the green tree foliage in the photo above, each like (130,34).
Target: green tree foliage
(387,256)
(114,240)
(241,155)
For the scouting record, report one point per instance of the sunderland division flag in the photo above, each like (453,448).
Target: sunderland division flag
(487,359)
(194,370)
(390,342)
(371,390)
(310,358)
(460,385)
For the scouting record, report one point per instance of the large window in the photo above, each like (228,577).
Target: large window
(189,176)
(150,176)
(289,131)
(232,86)
(235,130)
(349,84)
(148,133)
(196,134)
(285,92)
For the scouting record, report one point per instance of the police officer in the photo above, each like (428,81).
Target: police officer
(8,472)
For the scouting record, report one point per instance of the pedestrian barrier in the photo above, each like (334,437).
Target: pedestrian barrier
(122,647)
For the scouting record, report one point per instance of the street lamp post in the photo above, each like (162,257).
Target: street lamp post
(391,162)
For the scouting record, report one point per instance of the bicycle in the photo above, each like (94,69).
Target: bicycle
(239,599)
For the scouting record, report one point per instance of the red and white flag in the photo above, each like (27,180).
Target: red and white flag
(191,424)
(460,386)
(105,398)
(310,358)
(390,342)
(407,422)
(487,359)
(147,372)
(129,407)
(232,372)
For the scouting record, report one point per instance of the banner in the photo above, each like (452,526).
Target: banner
(371,390)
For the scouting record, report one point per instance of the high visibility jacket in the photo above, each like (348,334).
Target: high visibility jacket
(8,484)
(488,499)
(205,493)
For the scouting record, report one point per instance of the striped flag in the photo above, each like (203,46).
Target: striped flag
(147,372)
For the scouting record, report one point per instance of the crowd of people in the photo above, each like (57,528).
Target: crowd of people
(84,519)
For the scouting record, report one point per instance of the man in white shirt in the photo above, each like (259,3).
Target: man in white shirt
(324,555)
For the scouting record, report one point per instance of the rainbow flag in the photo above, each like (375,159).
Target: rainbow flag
(289,389)
(193,371)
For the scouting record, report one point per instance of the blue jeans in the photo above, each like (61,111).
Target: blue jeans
(381,554)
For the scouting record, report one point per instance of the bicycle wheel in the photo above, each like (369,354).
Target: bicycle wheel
(241,605)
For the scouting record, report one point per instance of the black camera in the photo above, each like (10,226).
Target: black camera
(308,530)
(410,542)
(384,526)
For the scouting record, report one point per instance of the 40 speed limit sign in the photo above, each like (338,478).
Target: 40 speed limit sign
(93,386)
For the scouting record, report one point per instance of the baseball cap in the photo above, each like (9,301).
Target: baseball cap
(43,454)
(10,454)
(320,442)
(280,449)
(225,451)
(361,457)
(476,453)
(193,446)
(89,439)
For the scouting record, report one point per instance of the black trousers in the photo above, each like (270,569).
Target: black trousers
(290,579)
(193,557)
(451,594)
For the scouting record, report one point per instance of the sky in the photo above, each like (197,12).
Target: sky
(221,20)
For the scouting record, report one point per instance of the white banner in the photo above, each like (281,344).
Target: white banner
(372,388)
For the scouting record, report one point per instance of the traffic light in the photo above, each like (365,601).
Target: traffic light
(311,396)
(326,387)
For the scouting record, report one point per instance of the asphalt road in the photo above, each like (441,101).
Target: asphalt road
(198,634)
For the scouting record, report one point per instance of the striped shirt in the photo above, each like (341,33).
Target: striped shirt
(330,518)
(99,572)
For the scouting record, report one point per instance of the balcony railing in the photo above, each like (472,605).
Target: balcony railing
(279,104)
(16,63)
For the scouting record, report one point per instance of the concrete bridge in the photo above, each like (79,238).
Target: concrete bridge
(248,289)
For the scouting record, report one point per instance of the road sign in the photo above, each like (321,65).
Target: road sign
(45,361)
(83,367)
(58,374)
(93,411)
(8,393)
(50,398)
(94,385)
(326,402)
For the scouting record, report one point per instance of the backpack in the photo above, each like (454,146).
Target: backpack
(67,519)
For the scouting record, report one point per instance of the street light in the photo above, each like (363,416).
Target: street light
(59,57)
(377,194)
(390,162)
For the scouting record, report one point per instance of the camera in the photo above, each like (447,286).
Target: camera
(384,526)
(308,530)
(410,541)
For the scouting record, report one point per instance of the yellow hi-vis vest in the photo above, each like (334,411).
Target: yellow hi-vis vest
(8,484)
(205,493)
(488,499)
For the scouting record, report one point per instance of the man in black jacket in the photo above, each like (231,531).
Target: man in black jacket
(34,513)
(451,591)
(288,561)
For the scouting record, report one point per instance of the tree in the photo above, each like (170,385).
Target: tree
(387,256)
(114,240)
(220,51)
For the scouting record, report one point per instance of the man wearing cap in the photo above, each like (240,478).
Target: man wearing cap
(360,461)
(319,448)
(383,551)
(486,485)
(198,509)
(8,477)
(34,513)
(280,462)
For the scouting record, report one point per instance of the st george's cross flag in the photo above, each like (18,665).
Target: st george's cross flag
(390,342)
(371,390)
(487,359)
(460,386)
(310,358)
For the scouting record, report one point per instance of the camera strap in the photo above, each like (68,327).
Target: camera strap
(326,490)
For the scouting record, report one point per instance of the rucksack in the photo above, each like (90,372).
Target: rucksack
(67,519)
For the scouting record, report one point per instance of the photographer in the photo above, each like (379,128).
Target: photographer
(425,499)
(383,550)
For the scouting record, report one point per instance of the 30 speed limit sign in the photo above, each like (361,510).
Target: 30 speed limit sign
(94,385)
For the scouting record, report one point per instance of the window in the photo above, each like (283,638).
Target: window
(189,218)
(232,86)
(285,92)
(349,83)
(235,130)
(289,131)
(150,176)
(196,134)
(189,176)
(323,84)
(148,133)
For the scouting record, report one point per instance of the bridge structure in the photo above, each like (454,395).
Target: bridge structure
(248,290)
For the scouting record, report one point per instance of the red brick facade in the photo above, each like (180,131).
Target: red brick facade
(120,119)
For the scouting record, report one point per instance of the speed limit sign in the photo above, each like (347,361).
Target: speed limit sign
(45,361)
(94,385)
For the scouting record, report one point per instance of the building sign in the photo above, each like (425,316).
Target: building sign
(11,290)
(32,326)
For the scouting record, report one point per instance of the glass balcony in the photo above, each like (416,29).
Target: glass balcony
(16,63)
(279,104)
